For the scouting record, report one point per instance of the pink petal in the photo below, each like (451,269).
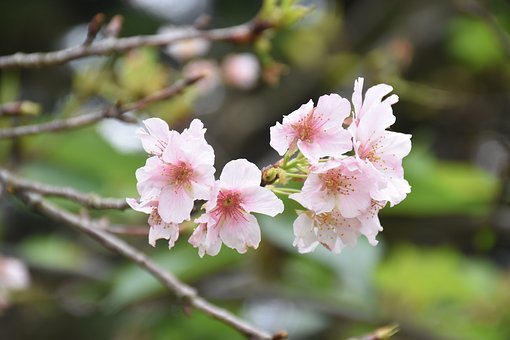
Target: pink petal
(197,151)
(357,96)
(332,143)
(206,238)
(155,137)
(306,240)
(175,205)
(356,203)
(281,138)
(240,173)
(173,153)
(196,130)
(261,200)
(333,107)
(374,96)
(161,230)
(143,206)
(312,197)
(298,114)
(370,226)
(240,233)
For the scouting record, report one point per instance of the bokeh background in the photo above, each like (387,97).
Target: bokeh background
(441,269)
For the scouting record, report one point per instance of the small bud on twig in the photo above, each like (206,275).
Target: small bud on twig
(114,27)
(94,26)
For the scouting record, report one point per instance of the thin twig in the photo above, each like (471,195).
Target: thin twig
(185,293)
(88,200)
(116,111)
(242,32)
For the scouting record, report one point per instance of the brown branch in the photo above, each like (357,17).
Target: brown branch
(116,111)
(88,200)
(242,32)
(185,293)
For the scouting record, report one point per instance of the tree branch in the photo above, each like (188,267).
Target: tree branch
(242,32)
(116,111)
(185,293)
(88,200)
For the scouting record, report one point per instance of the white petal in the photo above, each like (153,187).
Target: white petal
(239,174)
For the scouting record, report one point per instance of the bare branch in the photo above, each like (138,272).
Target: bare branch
(185,293)
(91,118)
(243,32)
(88,200)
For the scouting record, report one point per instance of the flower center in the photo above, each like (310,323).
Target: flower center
(228,205)
(180,174)
(305,128)
(334,182)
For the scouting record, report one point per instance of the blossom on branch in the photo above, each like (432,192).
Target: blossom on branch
(382,149)
(316,131)
(181,172)
(227,218)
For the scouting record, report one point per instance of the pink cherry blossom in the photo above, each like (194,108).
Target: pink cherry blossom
(228,217)
(183,173)
(241,70)
(333,230)
(316,132)
(372,142)
(158,228)
(345,184)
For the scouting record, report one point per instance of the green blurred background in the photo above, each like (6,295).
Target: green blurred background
(441,269)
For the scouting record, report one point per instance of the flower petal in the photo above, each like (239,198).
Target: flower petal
(161,230)
(154,137)
(306,240)
(261,200)
(240,233)
(333,107)
(175,205)
(239,174)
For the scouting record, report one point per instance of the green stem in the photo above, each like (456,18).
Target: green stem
(285,191)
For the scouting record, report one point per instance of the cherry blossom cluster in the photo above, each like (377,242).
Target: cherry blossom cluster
(352,165)
(340,162)
(180,171)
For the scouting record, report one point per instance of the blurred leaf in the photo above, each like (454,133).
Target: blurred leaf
(9,86)
(59,159)
(353,268)
(132,284)
(52,251)
(452,296)
(139,74)
(440,188)
(473,42)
